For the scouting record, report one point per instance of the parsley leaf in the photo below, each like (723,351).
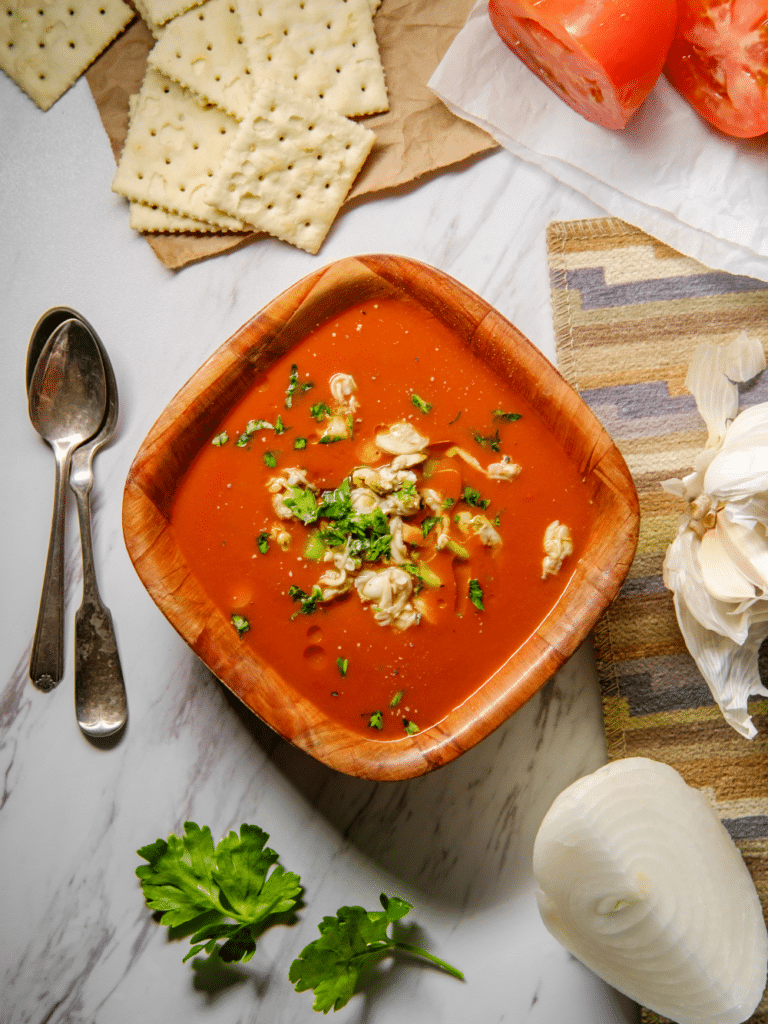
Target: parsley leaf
(229,888)
(300,443)
(293,383)
(476,595)
(270,459)
(376,721)
(429,523)
(262,542)
(492,441)
(280,427)
(302,502)
(250,429)
(331,965)
(472,497)
(410,727)
(420,404)
(342,664)
(308,601)
(507,417)
(241,624)
(319,411)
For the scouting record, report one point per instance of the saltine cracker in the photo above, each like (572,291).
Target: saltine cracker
(325,49)
(45,45)
(172,150)
(204,50)
(290,166)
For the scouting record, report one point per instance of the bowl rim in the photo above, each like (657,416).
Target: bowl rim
(228,373)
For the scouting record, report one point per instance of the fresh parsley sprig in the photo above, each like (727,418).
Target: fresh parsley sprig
(331,965)
(228,890)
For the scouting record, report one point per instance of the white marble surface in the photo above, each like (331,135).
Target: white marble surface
(77,943)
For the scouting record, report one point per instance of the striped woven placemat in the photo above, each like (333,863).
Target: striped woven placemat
(628,313)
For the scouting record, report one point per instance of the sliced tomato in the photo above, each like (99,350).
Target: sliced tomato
(602,57)
(719,62)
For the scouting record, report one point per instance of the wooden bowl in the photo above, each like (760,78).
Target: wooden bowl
(186,426)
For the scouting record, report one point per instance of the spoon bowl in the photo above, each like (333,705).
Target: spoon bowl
(67,401)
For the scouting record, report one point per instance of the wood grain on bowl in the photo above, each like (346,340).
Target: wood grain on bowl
(188,423)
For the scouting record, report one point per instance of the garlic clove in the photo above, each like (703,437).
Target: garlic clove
(747,549)
(721,576)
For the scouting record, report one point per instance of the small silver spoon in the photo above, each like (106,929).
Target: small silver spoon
(67,401)
(101,705)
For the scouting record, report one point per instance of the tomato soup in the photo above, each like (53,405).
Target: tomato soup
(371,517)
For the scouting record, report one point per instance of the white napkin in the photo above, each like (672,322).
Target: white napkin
(668,173)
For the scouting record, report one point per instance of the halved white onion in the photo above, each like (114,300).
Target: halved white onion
(638,878)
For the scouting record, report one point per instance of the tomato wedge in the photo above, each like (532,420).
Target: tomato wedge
(602,57)
(719,62)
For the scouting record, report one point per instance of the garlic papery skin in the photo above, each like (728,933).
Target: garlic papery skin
(638,878)
(717,565)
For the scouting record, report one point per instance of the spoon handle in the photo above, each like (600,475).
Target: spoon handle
(46,666)
(101,705)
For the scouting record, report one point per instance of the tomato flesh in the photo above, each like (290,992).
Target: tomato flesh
(601,57)
(719,62)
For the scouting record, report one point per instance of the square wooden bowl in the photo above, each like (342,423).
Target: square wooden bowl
(186,426)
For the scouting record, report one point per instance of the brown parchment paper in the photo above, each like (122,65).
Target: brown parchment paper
(416,136)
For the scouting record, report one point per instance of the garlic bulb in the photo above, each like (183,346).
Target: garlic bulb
(638,878)
(717,565)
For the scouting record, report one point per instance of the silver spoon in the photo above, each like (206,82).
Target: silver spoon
(101,705)
(67,401)
(100,698)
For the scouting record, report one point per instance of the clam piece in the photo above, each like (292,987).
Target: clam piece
(389,591)
(558,544)
(401,439)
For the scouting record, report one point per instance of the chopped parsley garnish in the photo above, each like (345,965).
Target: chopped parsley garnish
(410,727)
(376,721)
(492,441)
(220,439)
(397,698)
(241,624)
(331,965)
(250,429)
(331,438)
(476,594)
(507,417)
(225,892)
(262,542)
(300,443)
(342,664)
(472,497)
(429,523)
(319,411)
(280,427)
(270,459)
(420,404)
(293,383)
(366,535)
(448,502)
(303,503)
(337,503)
(308,602)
